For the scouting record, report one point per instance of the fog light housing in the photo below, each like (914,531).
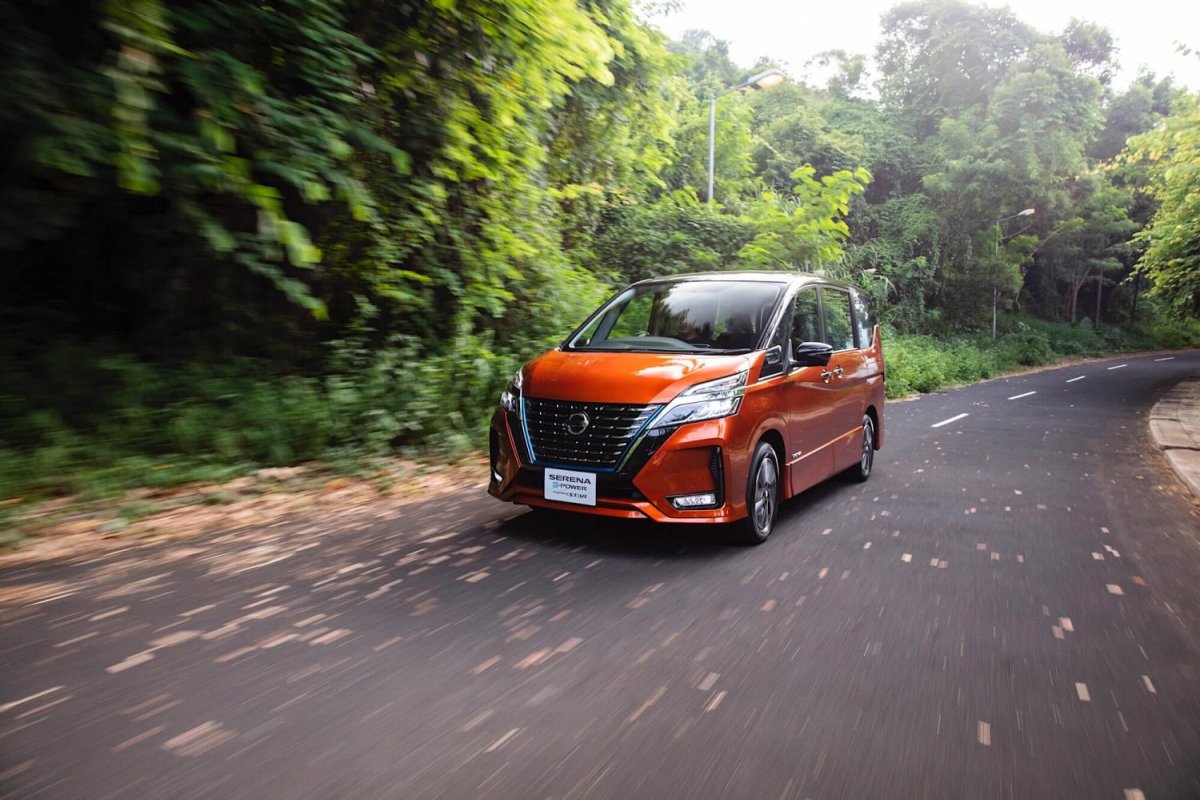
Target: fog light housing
(494,457)
(689,501)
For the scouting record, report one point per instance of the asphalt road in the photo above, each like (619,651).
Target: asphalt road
(1008,609)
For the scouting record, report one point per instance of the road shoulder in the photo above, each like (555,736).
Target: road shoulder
(1175,428)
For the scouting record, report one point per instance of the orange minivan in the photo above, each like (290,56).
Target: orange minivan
(697,398)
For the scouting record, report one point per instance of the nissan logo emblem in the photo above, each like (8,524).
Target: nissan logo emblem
(577,423)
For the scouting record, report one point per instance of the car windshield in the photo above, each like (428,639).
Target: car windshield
(710,315)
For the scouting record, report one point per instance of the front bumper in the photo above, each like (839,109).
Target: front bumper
(691,459)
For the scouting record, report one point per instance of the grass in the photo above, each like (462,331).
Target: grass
(921,364)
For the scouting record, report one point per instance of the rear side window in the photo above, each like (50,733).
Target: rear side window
(839,332)
(864,322)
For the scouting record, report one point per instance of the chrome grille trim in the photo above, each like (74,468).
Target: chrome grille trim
(613,428)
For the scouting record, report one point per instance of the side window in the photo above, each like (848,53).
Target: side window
(805,318)
(839,333)
(864,323)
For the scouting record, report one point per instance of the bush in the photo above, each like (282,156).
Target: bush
(1027,349)
(924,364)
(148,424)
(1174,334)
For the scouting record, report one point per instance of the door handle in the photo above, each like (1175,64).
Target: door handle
(826,375)
(839,372)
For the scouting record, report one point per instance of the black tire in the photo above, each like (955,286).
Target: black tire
(762,497)
(866,461)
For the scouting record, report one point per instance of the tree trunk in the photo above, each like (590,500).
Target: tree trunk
(1073,300)
(1099,292)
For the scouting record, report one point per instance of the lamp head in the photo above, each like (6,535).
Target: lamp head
(763,80)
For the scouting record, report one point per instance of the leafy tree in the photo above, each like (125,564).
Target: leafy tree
(1086,247)
(1171,258)
(940,56)
(806,229)
(794,125)
(846,72)
(676,233)
(1091,49)
(894,250)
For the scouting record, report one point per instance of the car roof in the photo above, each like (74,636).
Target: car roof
(750,276)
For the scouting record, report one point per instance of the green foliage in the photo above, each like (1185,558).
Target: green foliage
(921,364)
(149,426)
(892,258)
(806,229)
(942,56)
(1172,255)
(673,235)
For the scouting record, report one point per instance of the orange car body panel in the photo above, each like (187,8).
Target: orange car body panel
(813,415)
(634,378)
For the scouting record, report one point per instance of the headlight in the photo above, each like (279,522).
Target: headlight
(710,400)
(510,398)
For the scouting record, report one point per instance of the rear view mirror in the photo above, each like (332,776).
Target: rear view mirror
(811,354)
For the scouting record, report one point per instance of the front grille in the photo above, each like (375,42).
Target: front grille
(609,432)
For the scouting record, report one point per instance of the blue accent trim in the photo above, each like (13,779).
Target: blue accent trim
(637,438)
(525,432)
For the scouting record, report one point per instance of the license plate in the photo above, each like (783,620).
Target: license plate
(567,486)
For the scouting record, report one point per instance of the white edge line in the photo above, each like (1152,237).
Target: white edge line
(1168,358)
(948,421)
(1118,366)
(1019,396)
(1081,377)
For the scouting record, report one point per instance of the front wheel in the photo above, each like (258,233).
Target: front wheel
(866,461)
(762,496)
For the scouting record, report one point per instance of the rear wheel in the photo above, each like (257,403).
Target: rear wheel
(866,461)
(762,496)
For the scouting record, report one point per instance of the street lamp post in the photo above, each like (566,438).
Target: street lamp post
(995,289)
(763,80)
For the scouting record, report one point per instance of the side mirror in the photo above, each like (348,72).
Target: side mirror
(811,354)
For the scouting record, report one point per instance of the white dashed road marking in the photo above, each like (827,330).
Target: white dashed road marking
(1019,396)
(1118,366)
(1168,358)
(24,700)
(1081,377)
(948,421)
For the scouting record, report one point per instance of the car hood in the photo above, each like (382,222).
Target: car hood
(632,378)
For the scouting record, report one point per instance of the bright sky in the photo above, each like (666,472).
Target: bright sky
(791,33)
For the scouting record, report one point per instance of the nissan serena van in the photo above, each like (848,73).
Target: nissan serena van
(704,398)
